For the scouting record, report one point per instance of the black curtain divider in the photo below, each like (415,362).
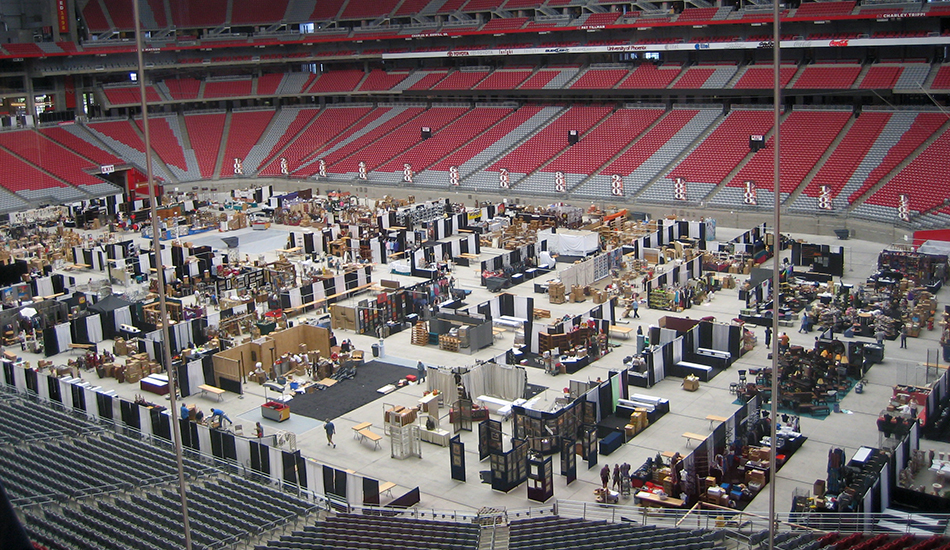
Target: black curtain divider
(506,304)
(158,351)
(8,374)
(217,446)
(79,396)
(189,434)
(107,319)
(260,457)
(606,401)
(370,492)
(198,330)
(130,414)
(181,376)
(50,342)
(329,483)
(301,468)
(160,423)
(54,389)
(651,370)
(207,368)
(705,336)
(339,481)
(689,340)
(289,466)
(735,343)
(667,355)
(79,330)
(31,382)
(59,284)
(529,332)
(104,403)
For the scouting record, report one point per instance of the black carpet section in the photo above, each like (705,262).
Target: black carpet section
(348,395)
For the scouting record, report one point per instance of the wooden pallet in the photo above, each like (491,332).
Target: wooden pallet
(420,334)
(542,313)
(448,343)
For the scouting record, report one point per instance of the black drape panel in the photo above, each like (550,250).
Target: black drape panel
(216,447)
(301,468)
(104,402)
(181,376)
(207,367)
(130,414)
(606,402)
(108,324)
(50,342)
(79,397)
(31,383)
(328,476)
(8,374)
(54,389)
(228,446)
(370,492)
(291,467)
(260,457)
(189,434)
(160,426)
(340,483)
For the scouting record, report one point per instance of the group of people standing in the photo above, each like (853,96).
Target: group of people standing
(621,476)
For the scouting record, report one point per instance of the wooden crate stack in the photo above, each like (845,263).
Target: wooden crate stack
(420,334)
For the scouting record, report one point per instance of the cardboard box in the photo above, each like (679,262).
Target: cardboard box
(629,431)
(691,383)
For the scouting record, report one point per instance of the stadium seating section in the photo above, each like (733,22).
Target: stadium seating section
(53,468)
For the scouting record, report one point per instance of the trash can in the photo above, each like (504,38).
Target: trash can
(375,350)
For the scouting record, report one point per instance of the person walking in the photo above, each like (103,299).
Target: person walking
(605,475)
(259,430)
(636,308)
(330,429)
(768,336)
(420,372)
(904,337)
(616,480)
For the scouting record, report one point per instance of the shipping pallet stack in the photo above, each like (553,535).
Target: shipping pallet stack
(448,343)
(420,334)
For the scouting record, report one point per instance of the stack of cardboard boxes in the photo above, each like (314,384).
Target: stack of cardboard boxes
(638,423)
(556,293)
(577,294)
(120,347)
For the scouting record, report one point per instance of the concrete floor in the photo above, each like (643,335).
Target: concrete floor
(853,427)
